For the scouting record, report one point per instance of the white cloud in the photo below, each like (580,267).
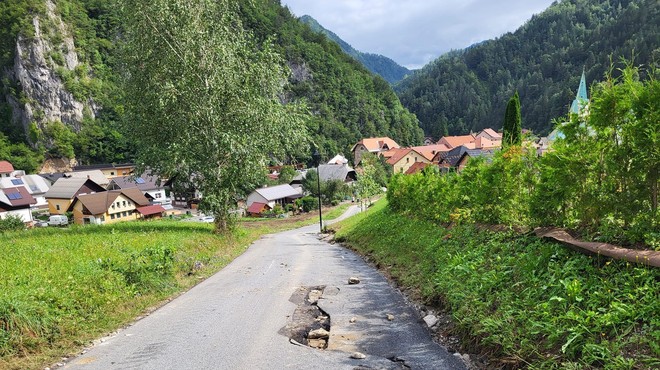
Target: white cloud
(414,33)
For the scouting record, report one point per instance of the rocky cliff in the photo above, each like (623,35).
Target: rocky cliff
(40,64)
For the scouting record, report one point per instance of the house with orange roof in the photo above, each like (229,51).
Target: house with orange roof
(404,158)
(429,151)
(373,145)
(482,142)
(455,141)
(6,169)
(489,134)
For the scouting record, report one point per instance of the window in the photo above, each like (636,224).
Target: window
(139,180)
(112,216)
(118,204)
(112,173)
(17,181)
(407,160)
(124,203)
(102,218)
(57,207)
(158,195)
(113,206)
(124,214)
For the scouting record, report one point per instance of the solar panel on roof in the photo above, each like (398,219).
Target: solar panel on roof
(17,182)
(14,196)
(139,180)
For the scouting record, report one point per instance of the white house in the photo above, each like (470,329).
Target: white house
(280,194)
(36,185)
(16,201)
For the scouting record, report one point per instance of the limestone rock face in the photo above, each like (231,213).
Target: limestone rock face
(44,96)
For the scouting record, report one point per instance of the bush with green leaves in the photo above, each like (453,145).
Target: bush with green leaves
(11,223)
(602,178)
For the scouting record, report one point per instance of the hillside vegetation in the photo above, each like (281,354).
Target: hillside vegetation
(602,179)
(521,302)
(378,64)
(347,102)
(467,90)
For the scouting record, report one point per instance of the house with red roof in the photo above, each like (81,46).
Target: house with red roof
(6,169)
(402,159)
(417,167)
(16,202)
(489,134)
(375,145)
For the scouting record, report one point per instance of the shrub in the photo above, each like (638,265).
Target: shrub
(11,223)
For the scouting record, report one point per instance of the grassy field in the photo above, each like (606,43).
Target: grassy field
(521,301)
(62,288)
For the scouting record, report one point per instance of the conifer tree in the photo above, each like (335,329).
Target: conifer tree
(512,123)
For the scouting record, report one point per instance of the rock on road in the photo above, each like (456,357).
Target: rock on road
(235,319)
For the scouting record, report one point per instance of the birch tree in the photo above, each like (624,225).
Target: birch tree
(202,98)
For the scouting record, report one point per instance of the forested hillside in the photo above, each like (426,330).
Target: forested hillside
(376,63)
(543,60)
(73,107)
(348,102)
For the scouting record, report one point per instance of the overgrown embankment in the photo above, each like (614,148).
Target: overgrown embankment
(521,300)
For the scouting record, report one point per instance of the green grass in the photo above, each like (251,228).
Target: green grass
(63,287)
(523,301)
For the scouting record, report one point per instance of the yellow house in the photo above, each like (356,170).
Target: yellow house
(403,159)
(64,190)
(108,207)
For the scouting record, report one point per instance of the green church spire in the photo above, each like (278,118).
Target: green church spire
(581,99)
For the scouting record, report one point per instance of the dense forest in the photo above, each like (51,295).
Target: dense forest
(467,90)
(346,101)
(376,63)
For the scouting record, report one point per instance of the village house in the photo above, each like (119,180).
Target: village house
(6,169)
(452,142)
(109,170)
(272,196)
(373,145)
(402,159)
(341,172)
(112,206)
(61,194)
(417,167)
(457,158)
(36,185)
(149,186)
(17,202)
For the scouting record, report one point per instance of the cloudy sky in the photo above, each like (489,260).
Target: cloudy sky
(415,32)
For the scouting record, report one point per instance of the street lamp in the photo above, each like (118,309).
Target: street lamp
(317,160)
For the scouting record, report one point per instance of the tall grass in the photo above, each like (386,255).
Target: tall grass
(521,300)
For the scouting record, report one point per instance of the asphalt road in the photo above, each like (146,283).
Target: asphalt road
(235,319)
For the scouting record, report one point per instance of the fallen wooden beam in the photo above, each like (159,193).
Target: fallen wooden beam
(644,257)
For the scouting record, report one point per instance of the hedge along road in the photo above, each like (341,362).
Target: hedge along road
(242,317)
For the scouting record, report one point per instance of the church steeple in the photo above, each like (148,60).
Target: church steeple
(581,99)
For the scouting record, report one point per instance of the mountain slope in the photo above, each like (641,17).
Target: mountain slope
(60,94)
(376,63)
(543,60)
(347,101)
